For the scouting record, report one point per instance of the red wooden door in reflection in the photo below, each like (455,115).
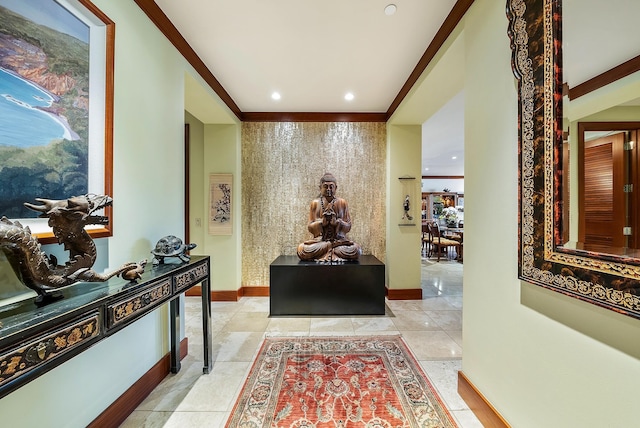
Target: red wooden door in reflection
(602,202)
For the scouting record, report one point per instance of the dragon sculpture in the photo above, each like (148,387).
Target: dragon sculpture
(68,219)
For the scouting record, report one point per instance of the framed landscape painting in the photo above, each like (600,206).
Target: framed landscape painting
(56,106)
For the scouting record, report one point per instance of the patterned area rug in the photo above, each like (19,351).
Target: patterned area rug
(338,382)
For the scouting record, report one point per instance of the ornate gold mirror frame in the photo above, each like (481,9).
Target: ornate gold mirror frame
(609,281)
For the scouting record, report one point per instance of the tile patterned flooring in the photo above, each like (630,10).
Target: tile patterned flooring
(432,327)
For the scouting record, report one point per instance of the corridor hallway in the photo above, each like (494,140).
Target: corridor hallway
(432,327)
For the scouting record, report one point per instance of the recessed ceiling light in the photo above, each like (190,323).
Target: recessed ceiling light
(454,157)
(275,96)
(426,169)
(390,9)
(349,96)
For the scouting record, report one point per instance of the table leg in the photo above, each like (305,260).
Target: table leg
(206,325)
(174,330)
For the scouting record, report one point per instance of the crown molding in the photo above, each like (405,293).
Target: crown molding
(312,117)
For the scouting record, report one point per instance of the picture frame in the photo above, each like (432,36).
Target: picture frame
(95,136)
(220,204)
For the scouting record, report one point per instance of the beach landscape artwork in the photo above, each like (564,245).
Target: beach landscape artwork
(44,104)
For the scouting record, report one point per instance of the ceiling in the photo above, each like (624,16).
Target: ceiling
(597,36)
(314,53)
(311,52)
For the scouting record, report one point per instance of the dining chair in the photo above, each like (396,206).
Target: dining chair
(439,244)
(426,239)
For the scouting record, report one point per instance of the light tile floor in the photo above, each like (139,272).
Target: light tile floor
(432,327)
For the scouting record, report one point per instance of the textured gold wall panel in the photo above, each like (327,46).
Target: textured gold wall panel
(282,163)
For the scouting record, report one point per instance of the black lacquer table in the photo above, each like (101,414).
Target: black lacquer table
(312,288)
(34,340)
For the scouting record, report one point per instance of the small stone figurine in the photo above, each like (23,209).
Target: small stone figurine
(171,246)
(135,274)
(407,206)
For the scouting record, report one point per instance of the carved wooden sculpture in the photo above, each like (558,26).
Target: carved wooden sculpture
(329,223)
(68,218)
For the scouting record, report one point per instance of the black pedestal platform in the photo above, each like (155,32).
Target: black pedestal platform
(310,288)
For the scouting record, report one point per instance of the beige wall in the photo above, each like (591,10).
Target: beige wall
(148,204)
(197,186)
(214,149)
(222,156)
(403,242)
(281,168)
(542,359)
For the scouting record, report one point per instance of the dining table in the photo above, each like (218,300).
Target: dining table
(456,234)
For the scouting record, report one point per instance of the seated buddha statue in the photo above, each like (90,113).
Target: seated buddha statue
(329,223)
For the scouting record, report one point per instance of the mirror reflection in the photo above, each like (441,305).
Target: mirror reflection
(600,192)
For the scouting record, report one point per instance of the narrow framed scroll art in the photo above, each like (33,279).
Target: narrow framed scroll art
(220,186)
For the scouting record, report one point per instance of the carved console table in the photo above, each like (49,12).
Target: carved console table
(34,340)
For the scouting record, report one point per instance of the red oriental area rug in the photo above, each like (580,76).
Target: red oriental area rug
(306,382)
